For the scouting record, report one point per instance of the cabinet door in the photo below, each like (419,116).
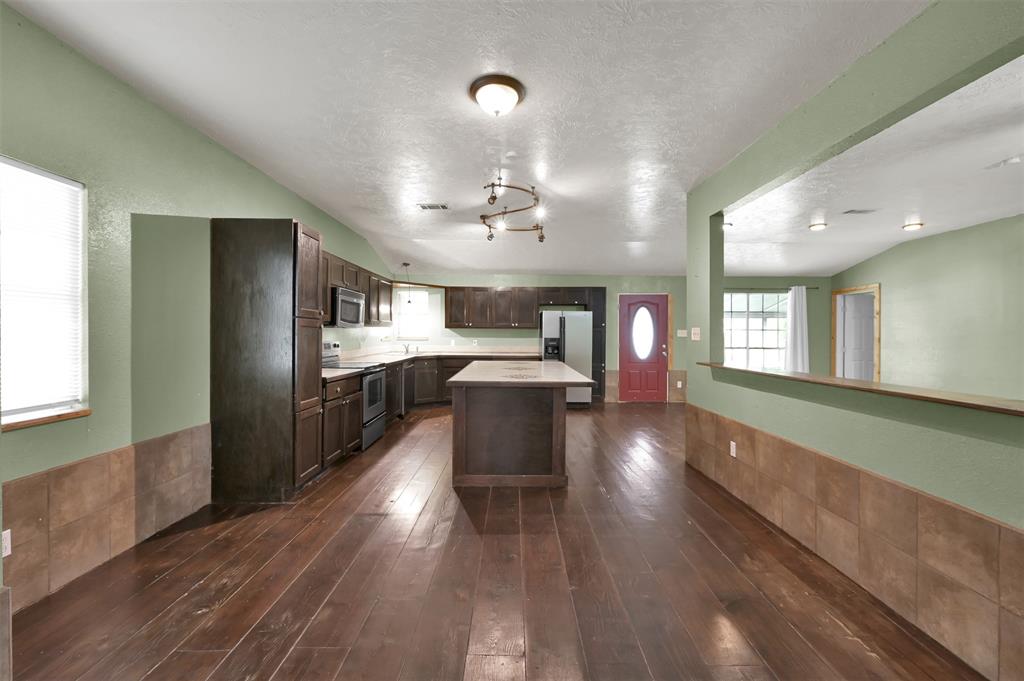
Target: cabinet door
(598,304)
(392,391)
(306,380)
(372,301)
(307,444)
(409,378)
(426,381)
(552,296)
(481,307)
(504,308)
(325,288)
(577,296)
(525,314)
(384,303)
(334,430)
(337,271)
(307,272)
(455,306)
(353,436)
(350,275)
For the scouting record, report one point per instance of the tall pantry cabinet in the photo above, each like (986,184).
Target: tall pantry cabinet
(265,376)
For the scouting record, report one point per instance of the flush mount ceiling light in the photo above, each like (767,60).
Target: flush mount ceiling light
(817,226)
(913,226)
(497,220)
(497,94)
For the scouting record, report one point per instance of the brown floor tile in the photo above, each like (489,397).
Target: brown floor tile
(837,486)
(122,525)
(798,517)
(78,489)
(122,473)
(890,511)
(959,618)
(1011,570)
(768,499)
(769,449)
(78,547)
(742,434)
(1011,646)
(888,573)
(959,544)
(798,469)
(26,509)
(838,542)
(26,571)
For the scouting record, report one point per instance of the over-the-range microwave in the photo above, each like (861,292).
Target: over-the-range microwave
(346,307)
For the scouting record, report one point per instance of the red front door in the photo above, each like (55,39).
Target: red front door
(643,348)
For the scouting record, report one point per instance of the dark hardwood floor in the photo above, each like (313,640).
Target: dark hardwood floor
(641,569)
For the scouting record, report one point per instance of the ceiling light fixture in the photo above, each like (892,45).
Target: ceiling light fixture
(817,226)
(913,226)
(497,94)
(408,282)
(497,220)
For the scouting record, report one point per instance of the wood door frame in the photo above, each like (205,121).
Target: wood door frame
(875,289)
(669,345)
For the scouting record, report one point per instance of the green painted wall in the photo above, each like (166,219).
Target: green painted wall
(819,311)
(64,113)
(674,286)
(170,339)
(952,316)
(971,457)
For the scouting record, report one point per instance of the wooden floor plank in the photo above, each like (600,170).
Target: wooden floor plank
(494,668)
(311,664)
(383,642)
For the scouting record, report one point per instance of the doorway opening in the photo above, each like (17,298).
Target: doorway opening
(856,332)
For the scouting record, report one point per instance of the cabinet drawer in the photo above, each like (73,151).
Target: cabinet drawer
(341,387)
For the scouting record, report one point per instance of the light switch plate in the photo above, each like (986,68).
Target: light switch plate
(732,449)
(679,384)
(681,333)
(6,544)
(695,333)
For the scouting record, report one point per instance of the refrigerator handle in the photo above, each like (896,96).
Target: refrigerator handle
(561,339)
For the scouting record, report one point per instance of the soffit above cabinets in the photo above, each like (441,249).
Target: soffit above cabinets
(362,107)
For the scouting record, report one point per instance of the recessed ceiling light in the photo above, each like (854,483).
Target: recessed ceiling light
(817,226)
(912,226)
(497,94)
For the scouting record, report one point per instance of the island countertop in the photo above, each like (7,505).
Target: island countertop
(512,374)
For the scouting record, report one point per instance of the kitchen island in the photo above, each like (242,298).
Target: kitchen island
(509,423)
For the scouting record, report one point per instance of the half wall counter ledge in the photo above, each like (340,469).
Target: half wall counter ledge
(509,423)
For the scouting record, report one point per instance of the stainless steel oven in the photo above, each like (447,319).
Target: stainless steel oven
(347,307)
(374,416)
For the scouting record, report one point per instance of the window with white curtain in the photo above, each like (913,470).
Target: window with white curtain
(42,294)
(412,314)
(755,330)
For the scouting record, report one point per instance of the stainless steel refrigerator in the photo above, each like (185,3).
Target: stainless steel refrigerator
(569,337)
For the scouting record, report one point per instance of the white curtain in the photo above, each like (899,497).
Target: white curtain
(797,353)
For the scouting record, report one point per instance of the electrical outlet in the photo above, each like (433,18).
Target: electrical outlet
(6,548)
(679,384)
(476,342)
(732,449)
(695,333)
(453,342)
(681,333)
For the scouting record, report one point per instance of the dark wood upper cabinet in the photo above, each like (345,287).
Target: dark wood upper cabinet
(308,289)
(350,275)
(325,287)
(372,300)
(525,313)
(480,307)
(552,296)
(455,306)
(598,304)
(577,296)
(504,308)
(337,270)
(308,461)
(306,363)
(384,302)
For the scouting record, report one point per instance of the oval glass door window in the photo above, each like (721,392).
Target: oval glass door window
(642,333)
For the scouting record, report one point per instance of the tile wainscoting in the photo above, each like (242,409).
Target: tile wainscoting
(611,385)
(67,520)
(957,575)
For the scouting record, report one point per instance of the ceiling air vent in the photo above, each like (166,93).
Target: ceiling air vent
(859,211)
(433,206)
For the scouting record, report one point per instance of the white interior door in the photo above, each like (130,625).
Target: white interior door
(856,336)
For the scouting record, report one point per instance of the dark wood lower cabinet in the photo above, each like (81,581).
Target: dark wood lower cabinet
(342,419)
(450,367)
(426,381)
(307,444)
(353,434)
(393,391)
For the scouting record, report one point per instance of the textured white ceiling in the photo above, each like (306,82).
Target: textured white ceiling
(361,107)
(933,166)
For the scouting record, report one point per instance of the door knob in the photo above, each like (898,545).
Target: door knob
(664,354)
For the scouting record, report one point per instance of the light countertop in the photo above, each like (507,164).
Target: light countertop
(512,374)
(388,358)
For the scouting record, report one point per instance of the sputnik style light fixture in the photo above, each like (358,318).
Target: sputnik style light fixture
(497,94)
(497,220)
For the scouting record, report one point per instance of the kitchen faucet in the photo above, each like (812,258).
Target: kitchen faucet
(406,346)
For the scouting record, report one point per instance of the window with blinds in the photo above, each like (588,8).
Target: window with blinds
(42,294)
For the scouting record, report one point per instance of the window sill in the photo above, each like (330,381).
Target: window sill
(43,420)
(999,405)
